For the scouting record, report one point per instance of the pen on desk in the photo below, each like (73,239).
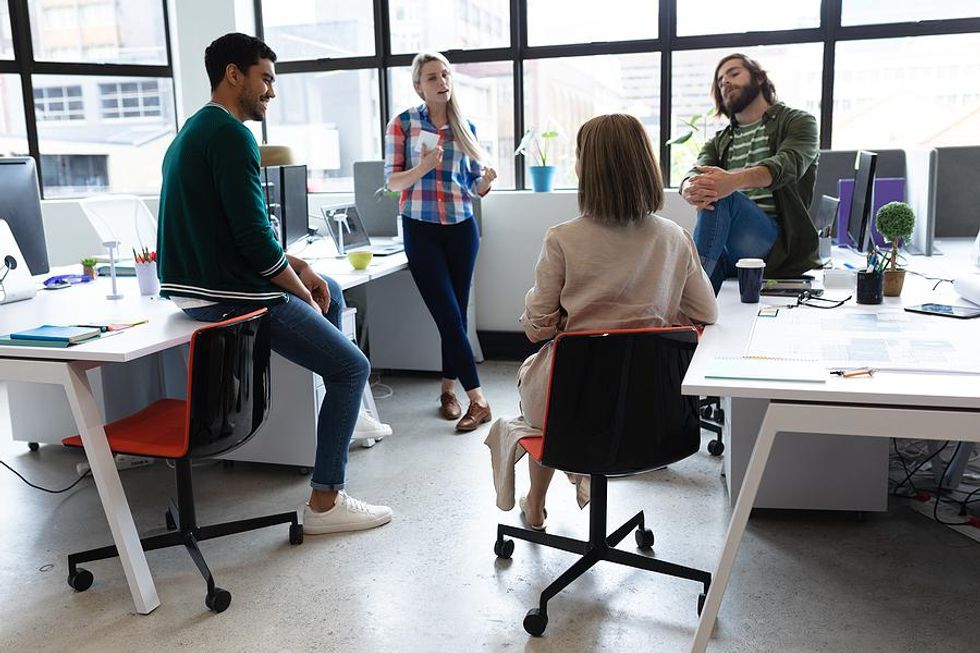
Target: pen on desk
(849,266)
(848,374)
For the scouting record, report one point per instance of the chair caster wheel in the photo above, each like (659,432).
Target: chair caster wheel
(33,446)
(295,533)
(716,447)
(535,622)
(644,538)
(304,471)
(169,518)
(218,600)
(80,579)
(701,600)
(504,548)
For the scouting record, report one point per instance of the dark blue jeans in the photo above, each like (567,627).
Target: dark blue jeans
(301,334)
(441,258)
(737,228)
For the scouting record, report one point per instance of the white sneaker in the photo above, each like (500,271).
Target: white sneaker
(368,427)
(347,514)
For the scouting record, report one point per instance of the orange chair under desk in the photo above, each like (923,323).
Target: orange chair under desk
(229,397)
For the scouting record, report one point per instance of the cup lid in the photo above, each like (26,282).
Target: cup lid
(750,263)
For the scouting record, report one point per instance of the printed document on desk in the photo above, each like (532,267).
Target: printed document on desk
(763,369)
(887,339)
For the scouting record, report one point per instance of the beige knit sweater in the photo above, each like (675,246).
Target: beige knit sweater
(591,275)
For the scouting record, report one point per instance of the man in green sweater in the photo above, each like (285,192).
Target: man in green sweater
(754,180)
(219,257)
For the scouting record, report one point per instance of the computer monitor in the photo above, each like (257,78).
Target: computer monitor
(354,236)
(20,206)
(379,212)
(860,214)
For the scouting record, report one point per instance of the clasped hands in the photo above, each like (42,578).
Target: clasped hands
(708,186)
(319,292)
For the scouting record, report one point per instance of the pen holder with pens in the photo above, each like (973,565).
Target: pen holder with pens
(869,287)
(146,276)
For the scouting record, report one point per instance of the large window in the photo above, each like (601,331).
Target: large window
(726,17)
(448,24)
(869,12)
(13,127)
(330,120)
(114,139)
(98,31)
(567,91)
(6,42)
(873,74)
(317,29)
(907,92)
(550,22)
(100,93)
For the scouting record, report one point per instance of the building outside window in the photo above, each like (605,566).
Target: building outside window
(59,103)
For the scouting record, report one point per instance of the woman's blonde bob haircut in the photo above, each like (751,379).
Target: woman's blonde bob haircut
(619,179)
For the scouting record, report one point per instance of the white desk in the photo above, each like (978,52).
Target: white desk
(929,406)
(167,327)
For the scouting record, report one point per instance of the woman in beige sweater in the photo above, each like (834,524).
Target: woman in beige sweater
(617,266)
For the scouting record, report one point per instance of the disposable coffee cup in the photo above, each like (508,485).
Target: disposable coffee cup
(750,279)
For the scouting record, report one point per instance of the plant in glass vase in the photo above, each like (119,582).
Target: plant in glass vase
(536,146)
(895,222)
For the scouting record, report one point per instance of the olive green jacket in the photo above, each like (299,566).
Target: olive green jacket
(794,150)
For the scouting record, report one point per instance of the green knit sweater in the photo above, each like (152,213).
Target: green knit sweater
(214,239)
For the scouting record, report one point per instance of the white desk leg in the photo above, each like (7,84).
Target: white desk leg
(110,489)
(740,517)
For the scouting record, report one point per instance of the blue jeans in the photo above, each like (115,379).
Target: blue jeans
(301,334)
(737,228)
(441,258)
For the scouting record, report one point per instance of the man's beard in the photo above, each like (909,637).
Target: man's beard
(743,97)
(251,107)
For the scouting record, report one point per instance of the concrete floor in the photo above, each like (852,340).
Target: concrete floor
(429,580)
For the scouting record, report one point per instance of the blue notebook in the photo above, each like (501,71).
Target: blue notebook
(66,334)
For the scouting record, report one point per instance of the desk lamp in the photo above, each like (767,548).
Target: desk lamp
(111,246)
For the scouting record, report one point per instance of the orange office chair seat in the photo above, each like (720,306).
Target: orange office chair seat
(614,408)
(228,399)
(157,431)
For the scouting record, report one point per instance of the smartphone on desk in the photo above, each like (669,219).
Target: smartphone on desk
(946,310)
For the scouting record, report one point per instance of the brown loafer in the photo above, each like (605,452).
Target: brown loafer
(475,415)
(449,407)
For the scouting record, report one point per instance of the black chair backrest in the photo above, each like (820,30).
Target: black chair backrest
(229,386)
(615,404)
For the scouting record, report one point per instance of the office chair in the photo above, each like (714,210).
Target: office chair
(713,419)
(614,408)
(228,400)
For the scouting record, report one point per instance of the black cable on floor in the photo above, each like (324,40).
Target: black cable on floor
(44,489)
(908,477)
(939,492)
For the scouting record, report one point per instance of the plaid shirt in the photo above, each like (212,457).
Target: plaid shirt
(443,195)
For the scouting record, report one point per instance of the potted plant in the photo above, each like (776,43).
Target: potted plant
(88,267)
(535,144)
(895,222)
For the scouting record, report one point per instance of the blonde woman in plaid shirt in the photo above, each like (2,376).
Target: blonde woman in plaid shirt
(437,185)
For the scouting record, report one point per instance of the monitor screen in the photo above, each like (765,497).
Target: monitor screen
(295,216)
(20,206)
(858,224)
(354,235)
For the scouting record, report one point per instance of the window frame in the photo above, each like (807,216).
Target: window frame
(828,33)
(25,66)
